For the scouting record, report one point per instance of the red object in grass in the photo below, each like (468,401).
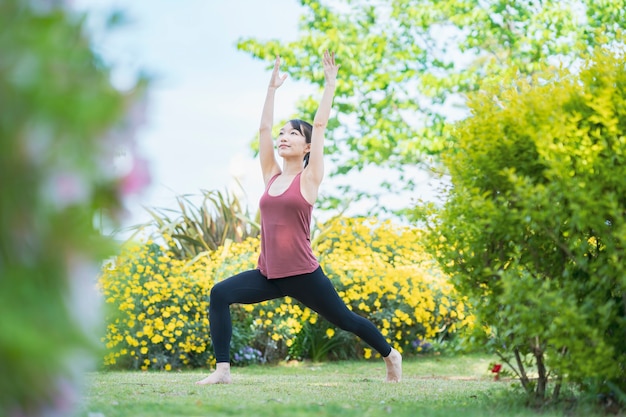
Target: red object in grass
(496,370)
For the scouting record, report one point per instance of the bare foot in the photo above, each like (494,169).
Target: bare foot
(394,366)
(221,375)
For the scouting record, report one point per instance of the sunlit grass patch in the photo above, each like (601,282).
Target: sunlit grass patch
(435,386)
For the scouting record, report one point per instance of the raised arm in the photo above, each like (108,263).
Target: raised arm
(269,164)
(314,172)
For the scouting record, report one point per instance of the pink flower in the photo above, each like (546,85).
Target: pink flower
(66,188)
(137,178)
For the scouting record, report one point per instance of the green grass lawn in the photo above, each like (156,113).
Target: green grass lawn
(434,386)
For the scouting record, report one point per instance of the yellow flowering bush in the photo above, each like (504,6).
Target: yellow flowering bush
(159,317)
(159,305)
(382,273)
(379,269)
(385,274)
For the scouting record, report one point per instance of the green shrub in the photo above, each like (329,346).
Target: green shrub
(534,229)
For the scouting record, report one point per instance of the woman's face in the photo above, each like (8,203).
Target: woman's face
(291,142)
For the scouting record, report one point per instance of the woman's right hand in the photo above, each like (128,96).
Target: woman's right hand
(277,80)
(330,68)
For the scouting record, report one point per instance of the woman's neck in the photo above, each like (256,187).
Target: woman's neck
(292,168)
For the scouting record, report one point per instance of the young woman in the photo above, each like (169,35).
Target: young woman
(287,265)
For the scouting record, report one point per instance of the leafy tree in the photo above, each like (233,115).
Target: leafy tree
(534,227)
(406,64)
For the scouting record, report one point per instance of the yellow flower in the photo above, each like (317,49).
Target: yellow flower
(330,333)
(367,353)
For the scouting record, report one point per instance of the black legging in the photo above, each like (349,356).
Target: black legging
(314,290)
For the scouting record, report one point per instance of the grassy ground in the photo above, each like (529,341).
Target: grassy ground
(431,387)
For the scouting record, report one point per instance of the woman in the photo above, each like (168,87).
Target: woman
(287,265)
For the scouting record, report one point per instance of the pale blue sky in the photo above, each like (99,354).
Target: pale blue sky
(206,96)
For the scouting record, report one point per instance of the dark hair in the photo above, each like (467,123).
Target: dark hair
(305,128)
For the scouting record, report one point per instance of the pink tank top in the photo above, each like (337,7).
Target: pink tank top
(286,233)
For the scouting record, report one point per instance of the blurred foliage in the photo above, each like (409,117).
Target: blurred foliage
(61,122)
(407,65)
(379,269)
(197,228)
(534,227)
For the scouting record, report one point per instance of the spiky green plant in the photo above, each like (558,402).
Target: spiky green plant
(198,227)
